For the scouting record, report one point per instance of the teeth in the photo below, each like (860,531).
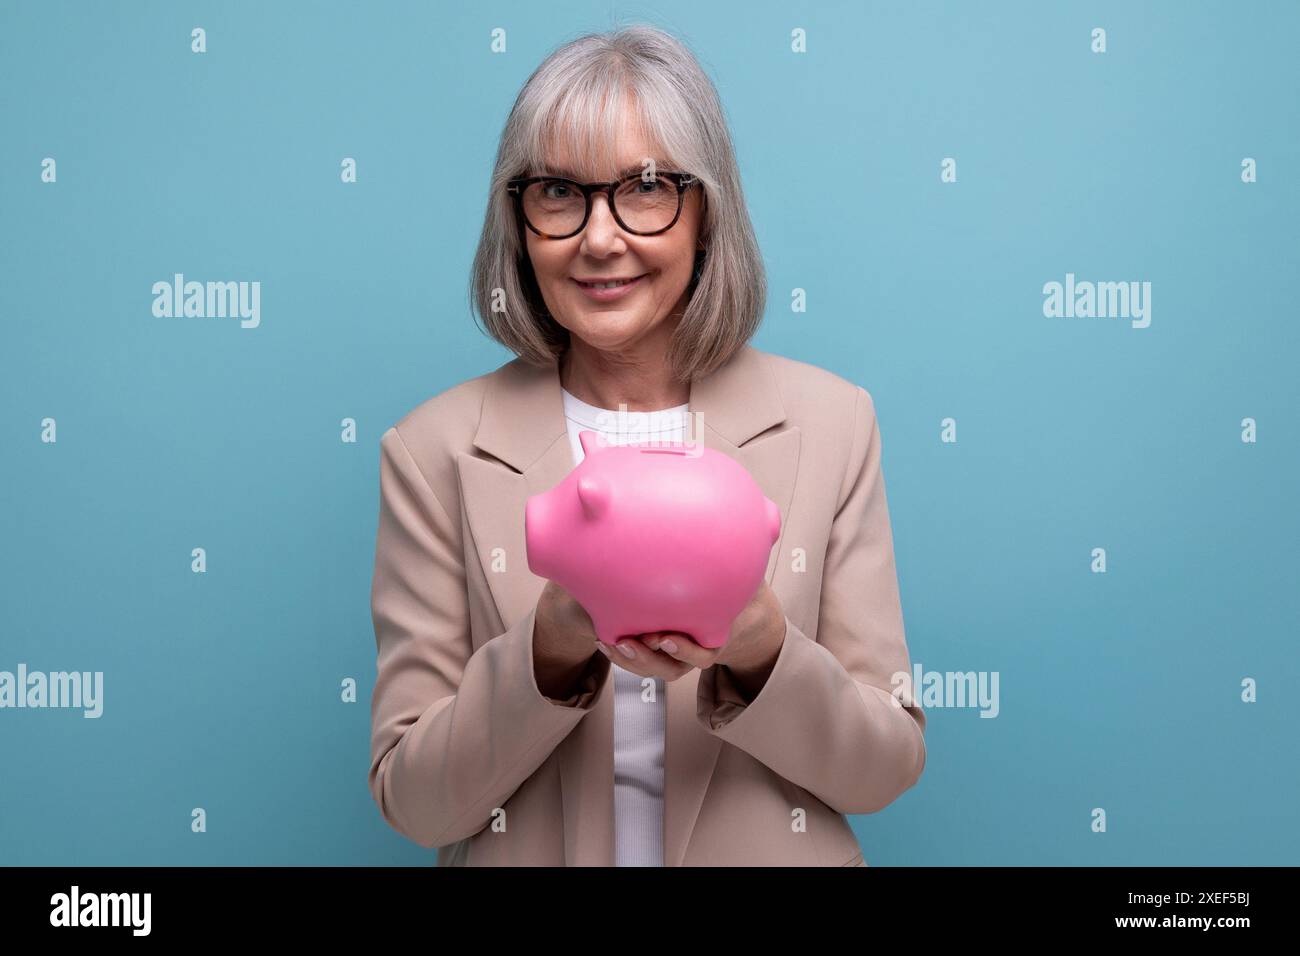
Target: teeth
(607,285)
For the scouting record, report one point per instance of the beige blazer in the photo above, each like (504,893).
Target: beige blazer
(467,754)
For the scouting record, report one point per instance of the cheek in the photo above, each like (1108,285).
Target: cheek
(549,263)
(673,259)
(678,266)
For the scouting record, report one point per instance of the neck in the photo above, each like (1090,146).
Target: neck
(642,380)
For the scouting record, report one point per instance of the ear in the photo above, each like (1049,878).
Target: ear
(594,495)
(589,440)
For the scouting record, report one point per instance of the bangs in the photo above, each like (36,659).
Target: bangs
(587,128)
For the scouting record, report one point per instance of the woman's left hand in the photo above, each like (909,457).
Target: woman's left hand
(756,637)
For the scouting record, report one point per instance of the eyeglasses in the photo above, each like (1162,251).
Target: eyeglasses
(557,208)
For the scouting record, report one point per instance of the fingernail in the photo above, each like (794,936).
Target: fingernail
(626,649)
(603,648)
(669,645)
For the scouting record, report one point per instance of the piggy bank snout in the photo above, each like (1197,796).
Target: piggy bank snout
(538,534)
(773,515)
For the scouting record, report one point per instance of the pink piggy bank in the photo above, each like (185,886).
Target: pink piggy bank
(664,537)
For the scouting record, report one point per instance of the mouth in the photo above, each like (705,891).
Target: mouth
(603,290)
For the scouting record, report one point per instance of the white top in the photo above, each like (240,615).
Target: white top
(638,722)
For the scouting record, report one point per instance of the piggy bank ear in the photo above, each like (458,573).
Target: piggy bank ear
(589,440)
(594,495)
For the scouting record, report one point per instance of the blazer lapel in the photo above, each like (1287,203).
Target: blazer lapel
(522,427)
(524,430)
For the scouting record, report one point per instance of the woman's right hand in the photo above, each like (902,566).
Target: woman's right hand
(564,641)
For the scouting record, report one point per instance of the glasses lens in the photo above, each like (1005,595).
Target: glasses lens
(646,205)
(554,206)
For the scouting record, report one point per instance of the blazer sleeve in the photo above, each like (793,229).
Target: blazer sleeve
(828,717)
(454,732)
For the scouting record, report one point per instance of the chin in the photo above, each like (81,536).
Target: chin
(606,339)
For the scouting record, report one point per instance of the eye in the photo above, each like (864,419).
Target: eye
(563,188)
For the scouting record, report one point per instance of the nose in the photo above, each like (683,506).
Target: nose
(602,230)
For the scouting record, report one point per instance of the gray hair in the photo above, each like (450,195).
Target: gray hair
(565,104)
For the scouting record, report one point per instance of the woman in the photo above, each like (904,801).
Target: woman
(628,276)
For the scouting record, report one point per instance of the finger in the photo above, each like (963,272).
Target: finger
(672,668)
(645,661)
(681,647)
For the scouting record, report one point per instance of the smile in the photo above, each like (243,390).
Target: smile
(605,291)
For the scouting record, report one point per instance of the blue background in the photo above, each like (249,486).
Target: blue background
(1118,690)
